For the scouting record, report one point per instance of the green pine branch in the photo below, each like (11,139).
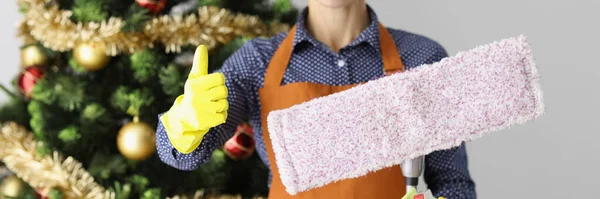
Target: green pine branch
(131,101)
(55,194)
(122,191)
(284,12)
(141,183)
(282,6)
(43,150)
(69,135)
(172,80)
(89,10)
(215,174)
(65,4)
(135,18)
(38,121)
(47,51)
(146,64)
(104,167)
(47,121)
(8,92)
(120,99)
(218,3)
(152,194)
(95,114)
(15,110)
(76,66)
(61,89)
(129,189)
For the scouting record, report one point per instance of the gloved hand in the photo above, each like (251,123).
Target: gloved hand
(203,105)
(410,194)
(413,194)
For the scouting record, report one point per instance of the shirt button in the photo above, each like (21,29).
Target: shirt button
(341,63)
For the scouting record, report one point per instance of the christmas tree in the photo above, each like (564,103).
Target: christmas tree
(94,76)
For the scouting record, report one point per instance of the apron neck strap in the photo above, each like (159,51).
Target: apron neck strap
(392,62)
(281,59)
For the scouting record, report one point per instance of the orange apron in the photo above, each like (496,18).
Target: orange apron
(384,184)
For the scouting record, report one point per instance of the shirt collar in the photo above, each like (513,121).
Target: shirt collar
(370,35)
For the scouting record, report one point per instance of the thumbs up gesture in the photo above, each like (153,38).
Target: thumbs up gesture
(203,105)
(205,96)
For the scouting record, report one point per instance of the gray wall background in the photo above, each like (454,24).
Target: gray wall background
(553,157)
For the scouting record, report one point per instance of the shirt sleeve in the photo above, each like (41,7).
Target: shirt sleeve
(238,80)
(447,174)
(446,171)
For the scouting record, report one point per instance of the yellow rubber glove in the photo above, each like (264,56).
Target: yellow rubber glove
(203,105)
(410,194)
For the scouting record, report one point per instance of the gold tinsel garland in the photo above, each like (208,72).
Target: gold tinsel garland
(18,153)
(45,22)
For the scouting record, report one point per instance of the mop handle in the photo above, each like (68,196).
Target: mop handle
(413,169)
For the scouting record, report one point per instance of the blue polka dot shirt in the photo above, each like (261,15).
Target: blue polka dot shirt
(446,172)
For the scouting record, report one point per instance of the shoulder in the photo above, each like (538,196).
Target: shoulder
(264,47)
(416,49)
(254,54)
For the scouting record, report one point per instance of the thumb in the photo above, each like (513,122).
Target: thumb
(200,65)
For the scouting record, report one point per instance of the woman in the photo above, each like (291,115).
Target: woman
(334,45)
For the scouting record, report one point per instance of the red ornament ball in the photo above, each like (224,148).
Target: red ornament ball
(154,6)
(28,78)
(42,193)
(241,145)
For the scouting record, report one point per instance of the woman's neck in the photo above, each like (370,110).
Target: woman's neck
(337,27)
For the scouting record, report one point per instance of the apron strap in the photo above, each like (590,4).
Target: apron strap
(281,58)
(392,62)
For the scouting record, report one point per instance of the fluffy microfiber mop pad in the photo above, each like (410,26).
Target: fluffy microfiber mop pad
(383,122)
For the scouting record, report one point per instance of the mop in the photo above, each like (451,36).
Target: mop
(384,122)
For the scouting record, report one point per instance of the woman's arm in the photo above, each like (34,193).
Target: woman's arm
(447,174)
(238,81)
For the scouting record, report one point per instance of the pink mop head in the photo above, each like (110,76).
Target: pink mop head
(402,116)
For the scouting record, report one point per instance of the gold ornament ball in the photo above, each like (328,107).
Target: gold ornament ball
(136,140)
(33,56)
(91,56)
(11,186)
